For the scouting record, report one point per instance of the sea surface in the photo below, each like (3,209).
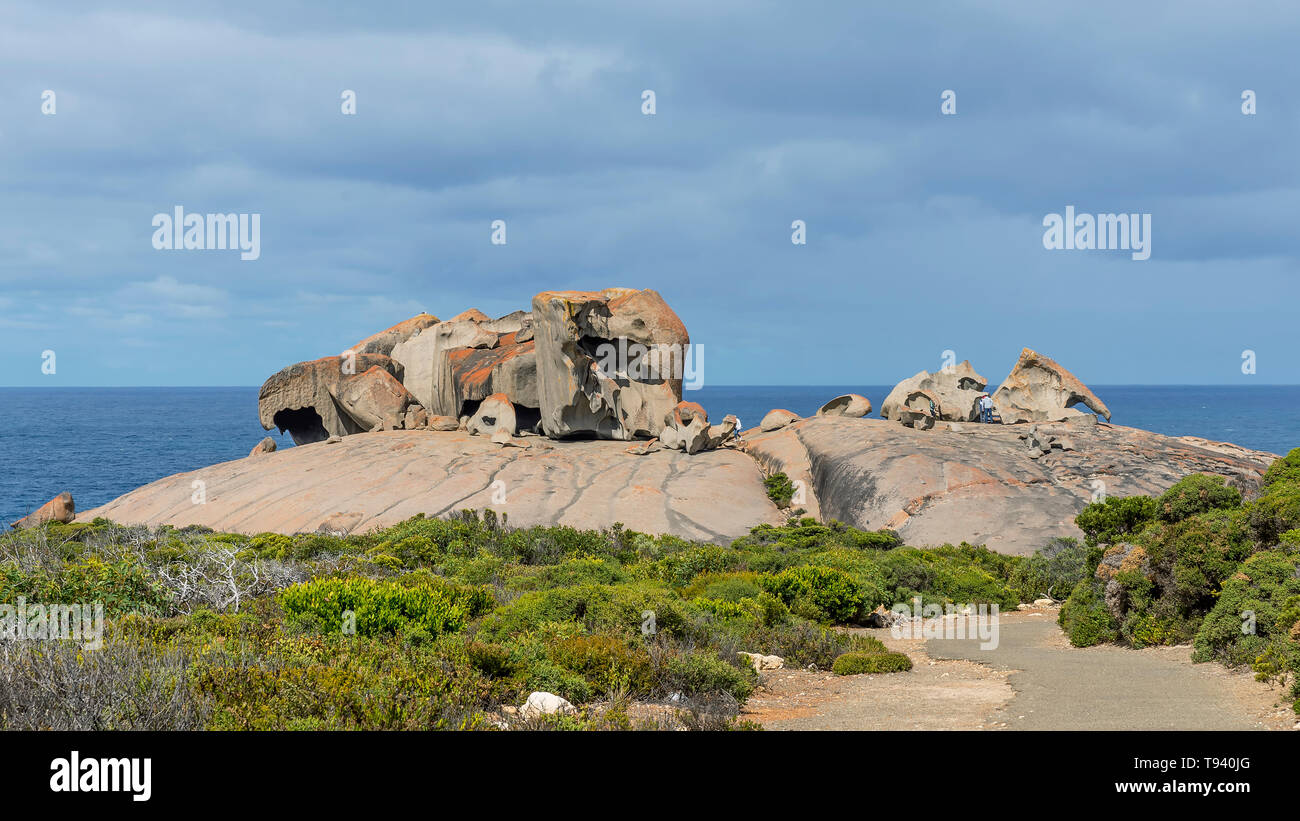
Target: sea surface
(99,443)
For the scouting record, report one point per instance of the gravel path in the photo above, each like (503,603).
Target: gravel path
(1033,680)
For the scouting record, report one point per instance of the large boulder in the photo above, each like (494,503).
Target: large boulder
(609,363)
(375,399)
(850,404)
(423,358)
(777,418)
(494,413)
(304,399)
(59,509)
(686,427)
(955,390)
(452,366)
(1040,390)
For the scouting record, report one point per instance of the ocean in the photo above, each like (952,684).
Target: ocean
(98,443)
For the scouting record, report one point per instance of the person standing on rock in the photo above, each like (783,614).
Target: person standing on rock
(986,409)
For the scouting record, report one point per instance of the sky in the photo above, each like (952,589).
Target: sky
(924,230)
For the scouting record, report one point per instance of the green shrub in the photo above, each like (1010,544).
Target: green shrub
(821,594)
(607,662)
(1114,518)
(959,575)
(1053,569)
(1266,586)
(385,606)
(852,664)
(702,674)
(1285,470)
(1084,616)
(1197,493)
(597,607)
(779,489)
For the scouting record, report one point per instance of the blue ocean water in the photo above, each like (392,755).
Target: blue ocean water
(99,443)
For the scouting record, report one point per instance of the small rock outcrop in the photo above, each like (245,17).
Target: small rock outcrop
(59,509)
(762,662)
(955,391)
(545,704)
(267,445)
(850,404)
(1040,390)
(777,419)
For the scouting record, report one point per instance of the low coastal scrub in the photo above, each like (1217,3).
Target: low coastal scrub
(1200,564)
(430,624)
(451,623)
(852,664)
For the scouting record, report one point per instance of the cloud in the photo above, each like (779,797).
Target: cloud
(924,230)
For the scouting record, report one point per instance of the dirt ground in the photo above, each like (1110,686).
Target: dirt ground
(1068,687)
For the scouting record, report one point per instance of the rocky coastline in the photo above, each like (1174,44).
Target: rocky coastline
(572,413)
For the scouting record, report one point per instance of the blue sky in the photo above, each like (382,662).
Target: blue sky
(924,231)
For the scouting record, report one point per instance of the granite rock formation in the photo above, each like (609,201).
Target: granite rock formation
(954,390)
(1040,390)
(609,363)
(980,483)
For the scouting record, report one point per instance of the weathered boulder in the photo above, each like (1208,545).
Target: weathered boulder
(776,419)
(686,427)
(416,417)
(305,399)
(384,341)
(545,704)
(609,363)
(850,404)
(444,423)
(1040,390)
(375,399)
(423,358)
(719,435)
(470,375)
(920,410)
(955,390)
(59,509)
(267,445)
(494,413)
(762,662)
